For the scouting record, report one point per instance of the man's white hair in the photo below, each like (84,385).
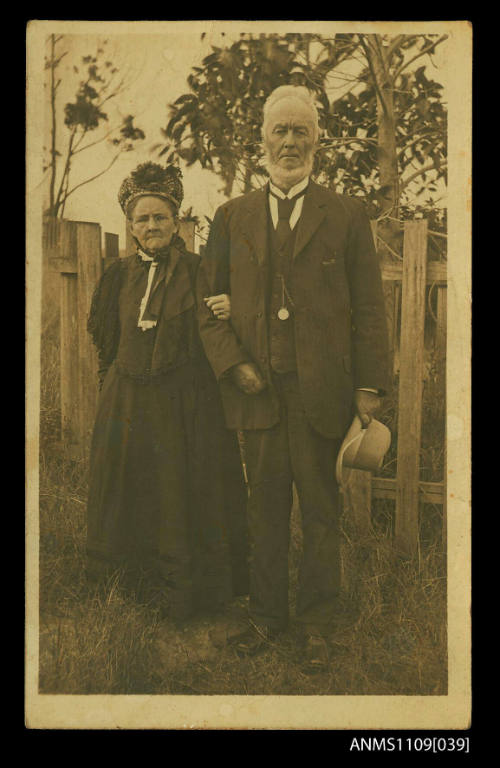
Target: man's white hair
(292,92)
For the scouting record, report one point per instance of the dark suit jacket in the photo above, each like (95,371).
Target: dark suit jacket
(335,283)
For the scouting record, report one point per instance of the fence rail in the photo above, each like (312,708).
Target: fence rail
(74,256)
(406,284)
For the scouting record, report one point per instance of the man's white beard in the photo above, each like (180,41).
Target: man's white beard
(288,177)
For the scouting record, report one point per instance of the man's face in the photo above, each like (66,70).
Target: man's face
(289,136)
(152,223)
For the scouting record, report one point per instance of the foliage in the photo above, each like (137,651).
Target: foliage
(348,155)
(217,123)
(98,83)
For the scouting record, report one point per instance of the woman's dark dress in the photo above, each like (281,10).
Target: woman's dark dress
(166,488)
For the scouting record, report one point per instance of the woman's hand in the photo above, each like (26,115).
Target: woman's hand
(220,306)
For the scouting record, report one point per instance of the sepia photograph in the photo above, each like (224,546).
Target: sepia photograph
(248,398)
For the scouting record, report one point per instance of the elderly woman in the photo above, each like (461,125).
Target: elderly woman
(166,498)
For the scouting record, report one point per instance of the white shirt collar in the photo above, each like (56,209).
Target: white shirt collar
(297,209)
(291,192)
(144,256)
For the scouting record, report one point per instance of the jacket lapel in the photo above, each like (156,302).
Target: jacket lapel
(313,213)
(254,225)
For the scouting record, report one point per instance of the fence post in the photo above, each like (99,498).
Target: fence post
(111,249)
(70,395)
(391,289)
(60,242)
(51,231)
(89,265)
(411,385)
(359,499)
(441,322)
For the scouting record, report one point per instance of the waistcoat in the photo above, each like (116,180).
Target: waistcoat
(281,332)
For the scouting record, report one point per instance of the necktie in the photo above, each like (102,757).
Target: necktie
(285,210)
(151,301)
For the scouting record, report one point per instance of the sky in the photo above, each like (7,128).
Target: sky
(156,68)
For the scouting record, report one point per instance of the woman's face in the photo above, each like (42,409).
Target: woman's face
(152,222)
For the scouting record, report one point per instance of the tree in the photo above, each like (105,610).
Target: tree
(393,120)
(382,134)
(218,122)
(98,83)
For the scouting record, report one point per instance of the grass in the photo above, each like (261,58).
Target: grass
(107,640)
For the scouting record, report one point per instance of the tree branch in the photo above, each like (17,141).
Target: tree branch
(58,61)
(66,171)
(53,153)
(391,250)
(343,76)
(430,167)
(368,53)
(395,43)
(79,141)
(87,181)
(97,141)
(380,50)
(119,88)
(347,140)
(422,52)
(416,140)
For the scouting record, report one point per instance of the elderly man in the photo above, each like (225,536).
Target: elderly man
(305,349)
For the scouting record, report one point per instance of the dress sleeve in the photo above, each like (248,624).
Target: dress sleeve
(220,342)
(104,318)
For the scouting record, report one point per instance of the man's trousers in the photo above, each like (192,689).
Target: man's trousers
(292,451)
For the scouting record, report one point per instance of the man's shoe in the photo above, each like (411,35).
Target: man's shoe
(316,654)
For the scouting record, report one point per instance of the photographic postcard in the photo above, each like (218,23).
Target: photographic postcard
(394,101)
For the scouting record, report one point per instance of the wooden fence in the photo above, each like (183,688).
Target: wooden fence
(74,253)
(406,285)
(72,250)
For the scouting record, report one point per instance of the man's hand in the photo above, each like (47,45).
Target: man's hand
(247,377)
(220,306)
(366,404)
